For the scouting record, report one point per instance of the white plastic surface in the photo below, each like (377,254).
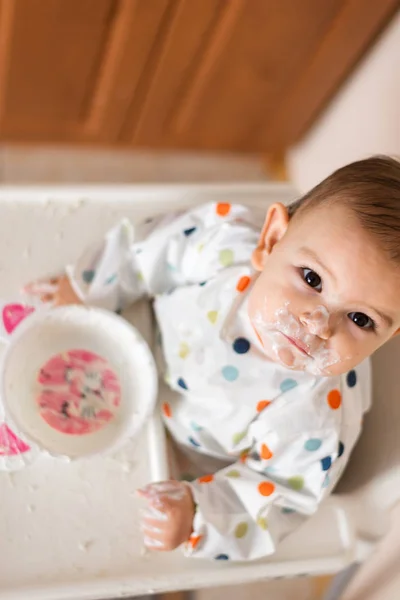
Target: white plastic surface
(70,530)
(48,333)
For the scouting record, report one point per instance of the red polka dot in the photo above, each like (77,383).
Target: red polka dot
(223,208)
(334,399)
(263,404)
(243,283)
(266,453)
(244,456)
(266,488)
(206,479)
(166,408)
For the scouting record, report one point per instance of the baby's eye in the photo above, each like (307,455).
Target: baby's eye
(312,279)
(361,320)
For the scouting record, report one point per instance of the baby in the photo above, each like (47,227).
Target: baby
(266,337)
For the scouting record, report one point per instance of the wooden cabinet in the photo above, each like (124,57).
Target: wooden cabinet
(245,75)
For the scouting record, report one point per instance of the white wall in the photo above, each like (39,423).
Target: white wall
(363,118)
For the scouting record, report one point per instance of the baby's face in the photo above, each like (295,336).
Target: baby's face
(327,296)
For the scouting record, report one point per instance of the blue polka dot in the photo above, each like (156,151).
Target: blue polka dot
(230,373)
(202,283)
(194,442)
(288,384)
(111,279)
(351,378)
(195,426)
(241,345)
(326,463)
(326,481)
(287,511)
(222,557)
(182,383)
(88,275)
(189,231)
(340,449)
(313,444)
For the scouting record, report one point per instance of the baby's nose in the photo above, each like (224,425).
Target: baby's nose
(318,323)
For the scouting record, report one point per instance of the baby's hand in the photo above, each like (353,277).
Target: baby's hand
(167,520)
(56,291)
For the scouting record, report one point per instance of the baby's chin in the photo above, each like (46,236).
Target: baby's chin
(324,364)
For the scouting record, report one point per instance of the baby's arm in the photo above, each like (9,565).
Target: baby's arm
(179,249)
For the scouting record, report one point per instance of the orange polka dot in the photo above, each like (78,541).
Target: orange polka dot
(223,208)
(195,541)
(206,479)
(244,456)
(243,283)
(166,408)
(266,453)
(334,399)
(266,488)
(263,404)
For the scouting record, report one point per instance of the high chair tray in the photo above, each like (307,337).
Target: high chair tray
(70,530)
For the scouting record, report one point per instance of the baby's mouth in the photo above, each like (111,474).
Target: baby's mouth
(301,346)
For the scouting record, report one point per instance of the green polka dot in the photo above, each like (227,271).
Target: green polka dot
(187,477)
(184,350)
(262,522)
(212,316)
(238,437)
(241,530)
(296,482)
(140,276)
(226,257)
(234,474)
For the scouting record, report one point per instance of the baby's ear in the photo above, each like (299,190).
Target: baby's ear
(275,225)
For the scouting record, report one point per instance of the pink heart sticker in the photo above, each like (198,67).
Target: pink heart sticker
(10,444)
(13,314)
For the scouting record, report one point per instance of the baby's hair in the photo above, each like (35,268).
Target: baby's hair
(371,188)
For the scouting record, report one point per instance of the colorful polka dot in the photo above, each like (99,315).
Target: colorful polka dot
(288,384)
(189,231)
(313,444)
(184,350)
(212,316)
(223,208)
(351,378)
(187,477)
(243,283)
(182,383)
(194,442)
(262,522)
(233,474)
(266,453)
(222,557)
(296,482)
(287,511)
(195,426)
(200,248)
(226,257)
(244,456)
(254,456)
(241,530)
(230,373)
(206,479)
(263,404)
(88,275)
(111,279)
(238,437)
(194,541)
(326,463)
(166,408)
(266,488)
(202,283)
(241,345)
(334,399)
(340,449)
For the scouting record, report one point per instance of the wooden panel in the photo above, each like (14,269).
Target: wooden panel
(349,36)
(132,42)
(50,51)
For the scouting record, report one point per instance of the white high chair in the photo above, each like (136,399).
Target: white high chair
(70,531)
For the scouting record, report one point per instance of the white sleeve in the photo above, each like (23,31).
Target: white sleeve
(245,510)
(176,250)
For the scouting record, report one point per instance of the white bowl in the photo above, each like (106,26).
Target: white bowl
(71,403)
